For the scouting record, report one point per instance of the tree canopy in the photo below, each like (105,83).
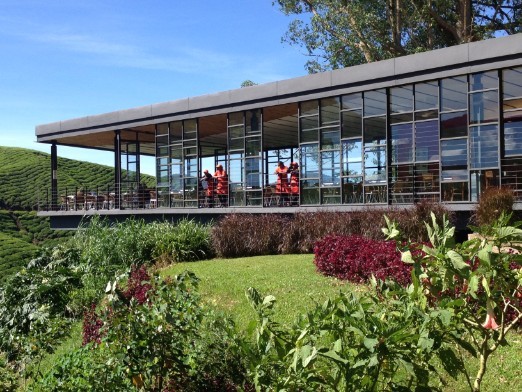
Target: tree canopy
(341,33)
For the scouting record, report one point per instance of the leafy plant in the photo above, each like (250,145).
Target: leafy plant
(492,203)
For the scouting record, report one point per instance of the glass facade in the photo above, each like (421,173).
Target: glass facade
(443,140)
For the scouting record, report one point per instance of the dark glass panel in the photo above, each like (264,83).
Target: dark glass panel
(453,124)
(253,121)
(484,146)
(427,177)
(455,191)
(401,99)
(330,139)
(401,183)
(331,195)
(236,131)
(512,83)
(375,194)
(483,80)
(454,93)
(309,193)
(162,140)
(375,130)
(236,144)
(309,123)
(426,141)
(426,96)
(352,123)
(483,107)
(352,101)
(402,143)
(162,129)
(330,168)
(427,115)
(309,107)
(176,154)
(352,157)
(352,190)
(329,110)
(253,146)
(375,102)
(401,118)
(513,138)
(309,136)
(176,131)
(190,128)
(235,118)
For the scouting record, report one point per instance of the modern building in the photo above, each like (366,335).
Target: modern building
(440,125)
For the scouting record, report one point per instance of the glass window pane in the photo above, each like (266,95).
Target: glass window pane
(374,165)
(330,139)
(426,96)
(309,193)
(331,195)
(235,118)
(352,123)
(309,136)
(375,130)
(483,80)
(352,101)
(453,124)
(455,191)
(236,170)
(330,110)
(453,93)
(190,128)
(513,138)
(253,169)
(237,144)
(484,107)
(253,146)
(191,167)
(402,142)
(330,168)
(512,83)
(427,115)
(175,131)
(309,107)
(401,99)
(253,121)
(375,102)
(162,129)
(401,118)
(310,161)
(309,123)
(512,104)
(426,141)
(454,153)
(352,157)
(484,146)
(236,131)
(352,190)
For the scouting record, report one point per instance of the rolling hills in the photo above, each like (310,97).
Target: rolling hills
(25,176)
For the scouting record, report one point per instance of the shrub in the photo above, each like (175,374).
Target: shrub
(492,203)
(356,259)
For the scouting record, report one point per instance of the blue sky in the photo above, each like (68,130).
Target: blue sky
(66,59)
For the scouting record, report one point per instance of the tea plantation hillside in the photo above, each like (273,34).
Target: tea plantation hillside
(24,175)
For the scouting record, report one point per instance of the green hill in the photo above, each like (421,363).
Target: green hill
(24,178)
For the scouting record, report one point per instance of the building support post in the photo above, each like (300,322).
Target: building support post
(117,169)
(54,177)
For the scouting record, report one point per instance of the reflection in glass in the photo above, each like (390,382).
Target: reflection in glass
(375,102)
(176,130)
(374,130)
(426,96)
(453,124)
(309,107)
(253,146)
(454,93)
(426,141)
(309,193)
(236,168)
(309,123)
(374,165)
(162,129)
(455,191)
(330,138)
(402,142)
(236,131)
(512,87)
(454,153)
(253,170)
(253,121)
(190,128)
(330,110)
(352,157)
(401,99)
(352,101)
(484,146)
(513,138)
(235,118)
(330,168)
(352,123)
(483,80)
(310,161)
(331,195)
(352,190)
(484,107)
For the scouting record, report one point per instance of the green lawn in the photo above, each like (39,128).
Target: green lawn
(292,279)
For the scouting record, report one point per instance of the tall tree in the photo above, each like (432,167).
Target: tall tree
(340,33)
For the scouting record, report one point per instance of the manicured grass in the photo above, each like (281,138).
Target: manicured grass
(290,278)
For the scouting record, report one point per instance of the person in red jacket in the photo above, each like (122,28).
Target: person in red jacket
(221,177)
(282,183)
(207,182)
(293,170)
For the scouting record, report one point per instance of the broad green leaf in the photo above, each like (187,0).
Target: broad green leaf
(407,257)
(370,343)
(334,356)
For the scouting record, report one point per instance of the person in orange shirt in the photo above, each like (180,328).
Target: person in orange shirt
(222,185)
(282,183)
(293,170)
(207,181)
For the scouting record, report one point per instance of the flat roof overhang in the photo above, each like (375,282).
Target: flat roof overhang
(96,131)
